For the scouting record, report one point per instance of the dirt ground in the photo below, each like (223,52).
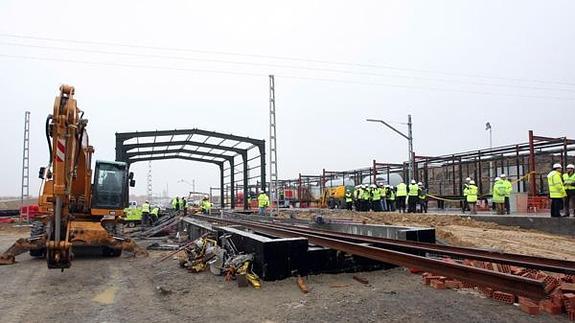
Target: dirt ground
(128,289)
(463,231)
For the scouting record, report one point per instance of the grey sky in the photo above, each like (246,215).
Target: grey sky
(321,112)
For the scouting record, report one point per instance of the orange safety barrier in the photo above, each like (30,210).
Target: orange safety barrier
(537,204)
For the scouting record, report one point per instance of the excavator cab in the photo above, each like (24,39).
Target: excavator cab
(110,187)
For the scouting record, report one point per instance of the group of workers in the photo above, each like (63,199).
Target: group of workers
(561,189)
(180,204)
(149,214)
(411,198)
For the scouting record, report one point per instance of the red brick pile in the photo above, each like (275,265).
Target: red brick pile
(560,288)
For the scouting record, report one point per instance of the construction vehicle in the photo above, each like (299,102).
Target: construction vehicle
(75,212)
(334,197)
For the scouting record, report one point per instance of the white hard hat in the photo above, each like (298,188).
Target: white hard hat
(468,179)
(419,183)
(472,182)
(497,178)
(373,185)
(502,175)
(557,166)
(413,181)
(570,166)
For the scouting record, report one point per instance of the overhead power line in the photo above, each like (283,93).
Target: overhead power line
(283,76)
(298,59)
(106,52)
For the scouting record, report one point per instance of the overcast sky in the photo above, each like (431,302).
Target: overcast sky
(145,65)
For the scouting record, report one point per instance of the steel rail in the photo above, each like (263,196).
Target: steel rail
(517,285)
(540,263)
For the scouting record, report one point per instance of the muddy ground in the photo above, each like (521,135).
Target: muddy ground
(126,289)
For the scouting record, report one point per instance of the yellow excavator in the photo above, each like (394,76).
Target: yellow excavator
(75,212)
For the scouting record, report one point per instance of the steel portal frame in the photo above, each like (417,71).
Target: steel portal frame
(198,145)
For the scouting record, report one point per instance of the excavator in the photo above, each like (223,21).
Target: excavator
(74,212)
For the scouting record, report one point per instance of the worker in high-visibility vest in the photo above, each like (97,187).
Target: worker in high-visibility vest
(465,189)
(263,203)
(413,197)
(205,205)
(556,190)
(375,198)
(508,190)
(498,195)
(401,196)
(422,198)
(471,192)
(569,183)
(154,214)
(348,199)
(390,198)
(146,214)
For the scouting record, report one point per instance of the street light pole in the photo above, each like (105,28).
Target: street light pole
(409,138)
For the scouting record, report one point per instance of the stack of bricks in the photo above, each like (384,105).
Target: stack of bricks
(560,288)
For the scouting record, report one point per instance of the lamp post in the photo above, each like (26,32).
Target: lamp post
(192,184)
(409,138)
(488,128)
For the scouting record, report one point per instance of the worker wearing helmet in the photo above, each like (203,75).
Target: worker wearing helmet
(569,183)
(356,194)
(471,196)
(412,197)
(375,198)
(390,198)
(263,203)
(465,189)
(422,198)
(401,196)
(508,190)
(556,190)
(146,220)
(348,199)
(498,195)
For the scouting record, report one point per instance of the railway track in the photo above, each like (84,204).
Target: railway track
(413,255)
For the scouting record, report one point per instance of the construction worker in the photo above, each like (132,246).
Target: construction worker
(401,196)
(348,199)
(356,194)
(498,194)
(375,198)
(390,198)
(422,198)
(263,202)
(556,190)
(412,197)
(383,190)
(569,183)
(508,190)
(364,198)
(154,215)
(471,196)
(176,203)
(206,205)
(465,189)
(184,205)
(146,213)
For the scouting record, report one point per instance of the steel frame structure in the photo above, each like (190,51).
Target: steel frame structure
(203,146)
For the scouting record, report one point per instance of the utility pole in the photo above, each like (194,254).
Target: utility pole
(25,188)
(409,138)
(273,148)
(149,186)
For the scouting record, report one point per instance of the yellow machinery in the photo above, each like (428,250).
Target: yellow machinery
(334,197)
(75,211)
